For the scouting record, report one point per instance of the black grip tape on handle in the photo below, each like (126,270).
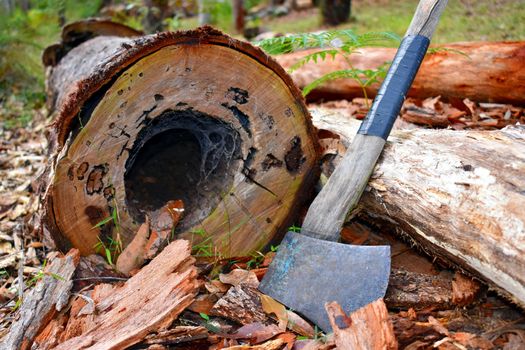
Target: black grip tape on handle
(390,97)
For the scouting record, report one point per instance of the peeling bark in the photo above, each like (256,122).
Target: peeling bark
(39,306)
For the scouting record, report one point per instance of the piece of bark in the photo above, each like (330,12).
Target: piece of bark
(413,334)
(241,304)
(49,296)
(143,121)
(366,328)
(465,196)
(148,302)
(464,289)
(417,290)
(274,344)
(492,72)
(177,335)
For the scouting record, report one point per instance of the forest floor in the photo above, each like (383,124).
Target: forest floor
(487,322)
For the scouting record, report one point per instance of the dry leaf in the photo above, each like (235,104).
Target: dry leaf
(133,256)
(271,306)
(297,324)
(257,332)
(240,276)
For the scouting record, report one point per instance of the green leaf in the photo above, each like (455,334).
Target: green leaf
(204,316)
(57,277)
(108,256)
(103,222)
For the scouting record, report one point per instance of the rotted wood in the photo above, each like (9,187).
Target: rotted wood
(458,194)
(176,116)
(39,306)
(116,317)
(483,72)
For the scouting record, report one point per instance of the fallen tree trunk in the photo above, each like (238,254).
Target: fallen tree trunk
(458,194)
(492,72)
(194,116)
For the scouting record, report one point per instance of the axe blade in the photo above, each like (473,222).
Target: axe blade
(307,272)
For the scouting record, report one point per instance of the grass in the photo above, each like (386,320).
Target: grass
(24,35)
(463,20)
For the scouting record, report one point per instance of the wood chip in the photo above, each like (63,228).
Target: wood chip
(39,305)
(241,304)
(464,289)
(148,302)
(366,328)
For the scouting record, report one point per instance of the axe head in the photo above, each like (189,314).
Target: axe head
(307,272)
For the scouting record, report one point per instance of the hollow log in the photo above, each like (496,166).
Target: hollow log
(194,116)
(485,72)
(459,195)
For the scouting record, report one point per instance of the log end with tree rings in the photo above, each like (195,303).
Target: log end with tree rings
(193,116)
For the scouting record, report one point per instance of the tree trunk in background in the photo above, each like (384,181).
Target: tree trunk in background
(335,12)
(8,6)
(204,12)
(485,72)
(148,121)
(157,10)
(238,15)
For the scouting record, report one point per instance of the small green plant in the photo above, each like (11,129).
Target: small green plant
(335,43)
(255,261)
(207,323)
(292,228)
(205,248)
(34,280)
(111,247)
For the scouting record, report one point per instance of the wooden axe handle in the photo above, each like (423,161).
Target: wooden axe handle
(343,190)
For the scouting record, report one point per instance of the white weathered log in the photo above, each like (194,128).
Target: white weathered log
(459,194)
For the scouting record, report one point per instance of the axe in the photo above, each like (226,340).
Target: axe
(311,267)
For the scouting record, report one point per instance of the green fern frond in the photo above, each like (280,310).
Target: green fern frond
(315,57)
(364,77)
(345,39)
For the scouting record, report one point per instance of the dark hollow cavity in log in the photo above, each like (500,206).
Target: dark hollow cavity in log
(185,155)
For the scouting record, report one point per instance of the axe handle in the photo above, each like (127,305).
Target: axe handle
(343,190)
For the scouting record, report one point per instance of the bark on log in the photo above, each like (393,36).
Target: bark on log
(492,72)
(458,194)
(194,116)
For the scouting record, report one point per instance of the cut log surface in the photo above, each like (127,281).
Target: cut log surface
(459,194)
(193,116)
(484,72)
